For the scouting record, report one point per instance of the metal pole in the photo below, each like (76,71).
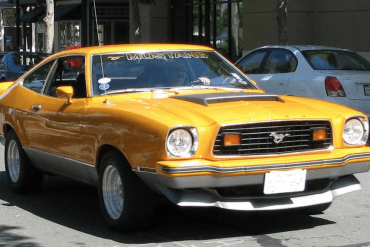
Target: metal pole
(207,23)
(229,31)
(214,17)
(200,26)
(17,41)
(84,22)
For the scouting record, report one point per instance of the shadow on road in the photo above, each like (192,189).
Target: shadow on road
(76,206)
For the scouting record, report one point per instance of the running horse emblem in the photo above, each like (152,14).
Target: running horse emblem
(278,137)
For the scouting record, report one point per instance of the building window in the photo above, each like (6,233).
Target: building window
(70,35)
(109,11)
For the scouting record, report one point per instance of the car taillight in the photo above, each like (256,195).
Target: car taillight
(333,87)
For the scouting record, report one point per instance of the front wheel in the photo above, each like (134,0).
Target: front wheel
(123,197)
(22,175)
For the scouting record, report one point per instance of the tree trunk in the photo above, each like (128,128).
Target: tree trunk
(282,16)
(49,19)
(235,23)
(136,20)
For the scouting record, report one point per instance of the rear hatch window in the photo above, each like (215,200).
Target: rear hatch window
(336,60)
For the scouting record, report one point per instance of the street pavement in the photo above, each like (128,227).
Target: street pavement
(66,213)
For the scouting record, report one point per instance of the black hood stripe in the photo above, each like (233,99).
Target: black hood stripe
(210,98)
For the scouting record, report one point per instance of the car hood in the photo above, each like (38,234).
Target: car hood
(228,108)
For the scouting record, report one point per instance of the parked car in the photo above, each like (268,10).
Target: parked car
(15,64)
(326,73)
(139,121)
(2,54)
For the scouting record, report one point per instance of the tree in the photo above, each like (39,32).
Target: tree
(282,16)
(49,19)
(235,24)
(136,17)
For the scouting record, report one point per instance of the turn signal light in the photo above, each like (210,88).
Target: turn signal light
(232,139)
(333,87)
(319,134)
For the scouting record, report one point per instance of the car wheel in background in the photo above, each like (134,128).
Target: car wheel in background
(22,175)
(123,197)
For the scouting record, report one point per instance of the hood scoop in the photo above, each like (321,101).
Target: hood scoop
(209,98)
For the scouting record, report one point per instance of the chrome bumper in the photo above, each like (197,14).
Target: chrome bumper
(208,181)
(204,198)
(200,190)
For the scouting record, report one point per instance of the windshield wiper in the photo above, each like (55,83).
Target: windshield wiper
(140,90)
(206,87)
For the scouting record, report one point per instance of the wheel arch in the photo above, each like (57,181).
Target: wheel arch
(7,128)
(106,148)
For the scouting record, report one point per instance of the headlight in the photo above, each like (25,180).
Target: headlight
(182,142)
(355,131)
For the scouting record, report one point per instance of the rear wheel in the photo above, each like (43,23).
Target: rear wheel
(123,197)
(22,175)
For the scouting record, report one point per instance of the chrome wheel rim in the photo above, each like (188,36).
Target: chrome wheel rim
(112,192)
(14,164)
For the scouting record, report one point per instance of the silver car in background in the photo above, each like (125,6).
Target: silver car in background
(332,74)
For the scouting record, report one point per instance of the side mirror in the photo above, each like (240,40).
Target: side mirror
(65,92)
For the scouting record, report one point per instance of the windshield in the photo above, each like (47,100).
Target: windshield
(162,70)
(336,60)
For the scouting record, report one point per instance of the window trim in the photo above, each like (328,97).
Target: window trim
(269,55)
(34,71)
(53,71)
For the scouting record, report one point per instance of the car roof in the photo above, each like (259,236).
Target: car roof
(305,47)
(134,47)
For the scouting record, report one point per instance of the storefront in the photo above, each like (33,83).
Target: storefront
(80,23)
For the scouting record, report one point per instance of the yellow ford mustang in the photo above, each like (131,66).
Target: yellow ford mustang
(176,120)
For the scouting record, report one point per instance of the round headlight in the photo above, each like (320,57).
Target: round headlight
(179,143)
(353,132)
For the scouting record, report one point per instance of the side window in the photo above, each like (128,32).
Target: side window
(37,79)
(3,62)
(251,64)
(70,71)
(280,61)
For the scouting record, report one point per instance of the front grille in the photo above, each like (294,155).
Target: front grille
(257,139)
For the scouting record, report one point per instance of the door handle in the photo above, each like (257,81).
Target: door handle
(36,107)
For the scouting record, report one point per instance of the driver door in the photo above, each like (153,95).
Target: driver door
(57,125)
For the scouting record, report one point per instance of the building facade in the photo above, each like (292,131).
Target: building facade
(81,22)
(337,23)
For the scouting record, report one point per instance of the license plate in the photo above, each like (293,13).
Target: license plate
(367,90)
(285,181)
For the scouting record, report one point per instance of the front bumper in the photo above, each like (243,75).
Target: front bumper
(204,185)
(208,198)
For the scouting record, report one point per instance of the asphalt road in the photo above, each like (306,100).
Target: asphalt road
(66,213)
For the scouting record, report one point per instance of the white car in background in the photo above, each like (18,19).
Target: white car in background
(332,74)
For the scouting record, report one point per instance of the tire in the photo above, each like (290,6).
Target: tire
(317,209)
(22,176)
(124,199)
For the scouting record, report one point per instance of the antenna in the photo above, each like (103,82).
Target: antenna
(101,81)
(96,21)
